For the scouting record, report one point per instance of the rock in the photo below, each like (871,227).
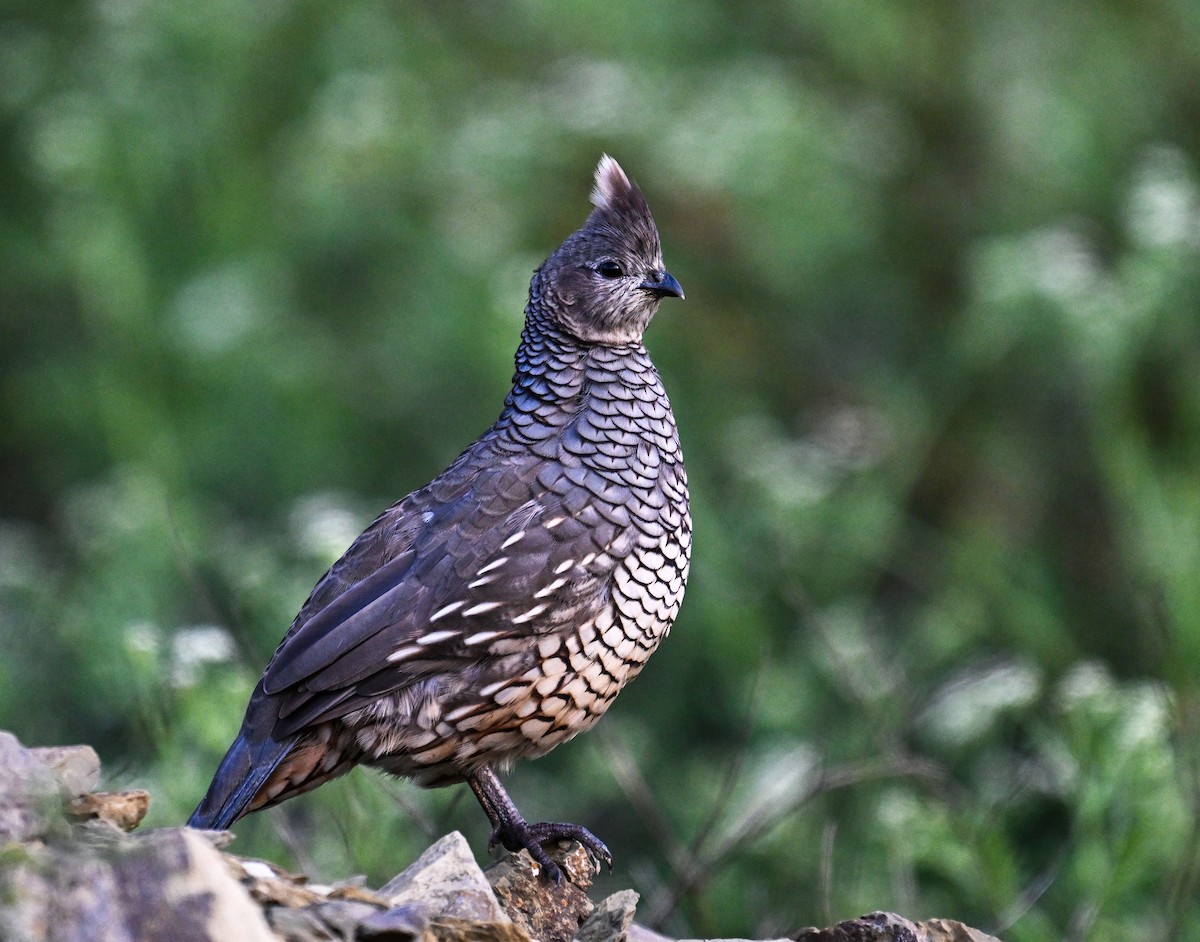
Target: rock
(888,927)
(948,930)
(466,930)
(344,916)
(344,920)
(121,810)
(866,938)
(70,872)
(77,768)
(169,885)
(219,839)
(175,883)
(272,891)
(30,794)
(639,933)
(447,882)
(611,919)
(358,894)
(299,925)
(400,923)
(547,911)
(463,930)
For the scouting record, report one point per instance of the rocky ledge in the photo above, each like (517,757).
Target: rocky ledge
(70,870)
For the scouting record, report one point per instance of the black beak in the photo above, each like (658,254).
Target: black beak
(664,285)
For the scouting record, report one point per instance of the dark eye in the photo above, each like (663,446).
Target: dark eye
(610,270)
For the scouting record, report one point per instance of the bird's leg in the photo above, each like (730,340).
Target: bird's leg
(511,830)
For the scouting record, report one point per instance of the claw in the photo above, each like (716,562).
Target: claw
(531,837)
(550,870)
(510,829)
(547,831)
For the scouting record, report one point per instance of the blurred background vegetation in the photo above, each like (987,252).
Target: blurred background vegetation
(262,268)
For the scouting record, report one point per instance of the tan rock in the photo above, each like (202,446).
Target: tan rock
(948,930)
(468,930)
(547,911)
(888,927)
(121,810)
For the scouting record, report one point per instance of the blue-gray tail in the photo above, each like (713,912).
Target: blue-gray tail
(244,770)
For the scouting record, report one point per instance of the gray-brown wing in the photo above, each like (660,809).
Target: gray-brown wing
(500,553)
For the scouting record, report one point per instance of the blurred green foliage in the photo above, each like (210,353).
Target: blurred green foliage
(262,268)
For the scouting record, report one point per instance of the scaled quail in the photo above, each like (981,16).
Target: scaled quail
(497,611)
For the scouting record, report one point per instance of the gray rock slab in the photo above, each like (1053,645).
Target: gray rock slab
(31,798)
(77,768)
(405,922)
(169,885)
(446,881)
(611,919)
(640,933)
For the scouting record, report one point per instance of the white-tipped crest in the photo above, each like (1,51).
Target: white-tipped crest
(610,179)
